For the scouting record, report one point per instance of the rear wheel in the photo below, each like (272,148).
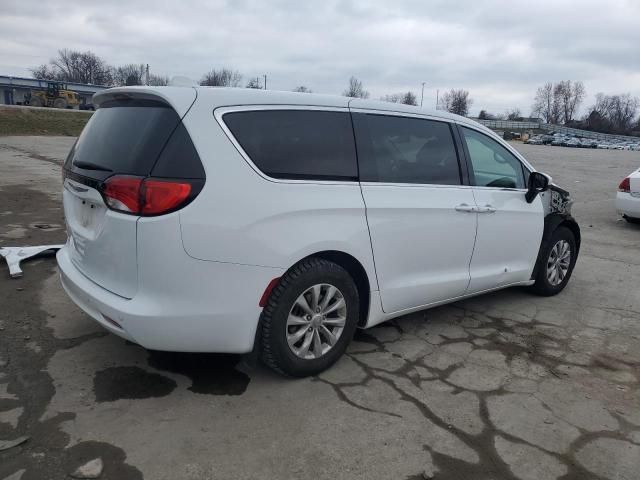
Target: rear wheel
(559,259)
(309,319)
(60,103)
(35,102)
(631,219)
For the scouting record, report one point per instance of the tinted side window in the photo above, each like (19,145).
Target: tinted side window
(493,165)
(297,144)
(405,150)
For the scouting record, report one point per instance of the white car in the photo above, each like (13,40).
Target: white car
(227,220)
(628,197)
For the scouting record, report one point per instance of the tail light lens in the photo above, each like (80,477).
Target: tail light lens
(625,185)
(160,196)
(147,196)
(122,193)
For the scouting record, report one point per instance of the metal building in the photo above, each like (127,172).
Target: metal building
(14,89)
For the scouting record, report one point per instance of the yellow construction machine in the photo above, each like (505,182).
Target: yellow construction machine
(57,95)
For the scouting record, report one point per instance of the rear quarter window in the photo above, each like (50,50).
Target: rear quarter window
(297,144)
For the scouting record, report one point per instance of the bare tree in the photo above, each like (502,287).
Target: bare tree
(570,95)
(409,98)
(158,80)
(44,72)
(558,103)
(456,101)
(254,83)
(623,110)
(513,114)
(302,89)
(576,98)
(444,102)
(393,98)
(603,104)
(75,66)
(224,77)
(557,111)
(131,74)
(543,103)
(355,89)
(613,113)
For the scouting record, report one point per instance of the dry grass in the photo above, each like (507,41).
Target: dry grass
(35,121)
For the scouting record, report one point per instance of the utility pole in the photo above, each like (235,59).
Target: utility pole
(265,81)
(147,76)
(422,97)
(437,98)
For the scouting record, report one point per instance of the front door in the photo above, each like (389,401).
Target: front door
(509,228)
(422,220)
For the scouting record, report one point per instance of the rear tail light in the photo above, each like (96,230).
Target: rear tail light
(147,196)
(160,196)
(625,185)
(123,193)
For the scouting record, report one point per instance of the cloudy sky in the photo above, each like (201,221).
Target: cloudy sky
(499,50)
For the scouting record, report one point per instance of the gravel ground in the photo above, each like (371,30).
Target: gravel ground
(504,386)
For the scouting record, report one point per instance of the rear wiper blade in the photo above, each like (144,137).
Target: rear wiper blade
(90,166)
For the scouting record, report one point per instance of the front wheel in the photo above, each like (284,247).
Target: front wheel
(559,259)
(309,319)
(35,102)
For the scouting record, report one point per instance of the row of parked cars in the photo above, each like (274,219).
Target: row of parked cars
(563,140)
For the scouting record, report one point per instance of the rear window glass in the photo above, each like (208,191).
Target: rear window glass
(297,144)
(124,137)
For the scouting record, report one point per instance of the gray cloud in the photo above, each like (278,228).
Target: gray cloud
(499,50)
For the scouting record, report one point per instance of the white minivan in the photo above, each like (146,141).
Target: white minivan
(238,220)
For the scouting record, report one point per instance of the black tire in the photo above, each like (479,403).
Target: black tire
(542,285)
(60,103)
(632,219)
(35,102)
(275,350)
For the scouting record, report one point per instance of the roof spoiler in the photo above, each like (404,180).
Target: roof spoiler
(179,98)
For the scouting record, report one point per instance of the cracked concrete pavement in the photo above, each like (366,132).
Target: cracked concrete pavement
(504,386)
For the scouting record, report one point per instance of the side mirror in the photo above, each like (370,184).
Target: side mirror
(538,183)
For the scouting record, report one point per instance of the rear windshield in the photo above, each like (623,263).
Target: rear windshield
(124,137)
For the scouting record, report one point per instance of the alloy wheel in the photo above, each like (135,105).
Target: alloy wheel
(316,321)
(558,262)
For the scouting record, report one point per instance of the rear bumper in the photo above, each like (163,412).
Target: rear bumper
(199,306)
(628,205)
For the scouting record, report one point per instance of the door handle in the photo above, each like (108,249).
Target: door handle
(463,207)
(486,209)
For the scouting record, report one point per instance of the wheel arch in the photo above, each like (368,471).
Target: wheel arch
(357,271)
(551,224)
